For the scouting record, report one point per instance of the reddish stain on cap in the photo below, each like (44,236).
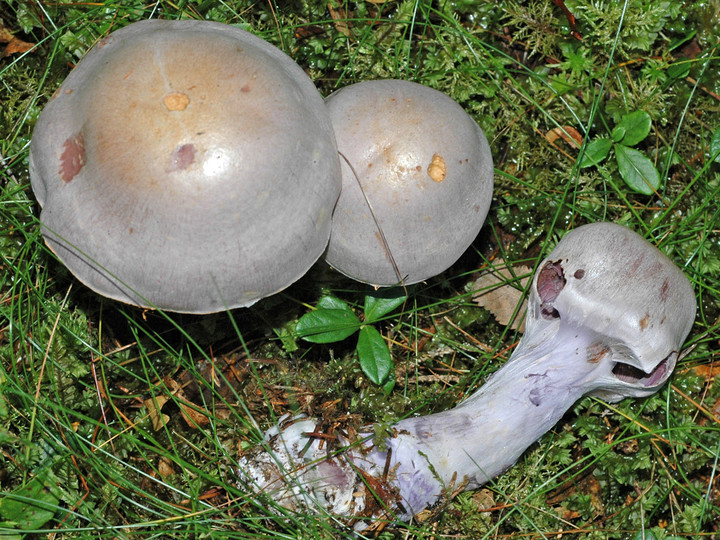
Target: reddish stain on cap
(72,158)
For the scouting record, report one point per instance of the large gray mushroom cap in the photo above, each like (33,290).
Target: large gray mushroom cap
(426,172)
(186,165)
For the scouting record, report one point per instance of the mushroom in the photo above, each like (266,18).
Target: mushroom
(607,315)
(417,181)
(186,165)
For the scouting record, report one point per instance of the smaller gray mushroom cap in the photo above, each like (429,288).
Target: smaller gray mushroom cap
(186,165)
(425,169)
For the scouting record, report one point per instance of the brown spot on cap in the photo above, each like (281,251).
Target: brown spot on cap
(107,40)
(437,170)
(176,101)
(246,88)
(579,274)
(72,158)
(664,290)
(181,158)
(644,321)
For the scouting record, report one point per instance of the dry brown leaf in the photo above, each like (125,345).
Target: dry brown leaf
(708,372)
(567,133)
(5,35)
(493,292)
(305,32)
(192,416)
(14,45)
(154,406)
(17,46)
(340,17)
(484,499)
(165,467)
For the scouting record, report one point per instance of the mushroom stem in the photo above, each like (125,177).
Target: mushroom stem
(484,435)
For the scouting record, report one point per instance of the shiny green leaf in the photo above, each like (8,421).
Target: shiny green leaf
(374,355)
(595,152)
(637,170)
(645,535)
(617,133)
(715,145)
(30,506)
(332,321)
(382,303)
(331,302)
(635,127)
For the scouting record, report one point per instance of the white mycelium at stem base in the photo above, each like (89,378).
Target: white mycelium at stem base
(607,315)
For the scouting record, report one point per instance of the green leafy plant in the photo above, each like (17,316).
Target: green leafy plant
(29,506)
(334,321)
(636,169)
(715,146)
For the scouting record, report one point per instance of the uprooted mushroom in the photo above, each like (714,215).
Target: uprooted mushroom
(607,315)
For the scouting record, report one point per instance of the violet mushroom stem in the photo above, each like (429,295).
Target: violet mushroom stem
(485,435)
(607,315)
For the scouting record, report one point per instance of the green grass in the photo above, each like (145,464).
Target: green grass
(81,377)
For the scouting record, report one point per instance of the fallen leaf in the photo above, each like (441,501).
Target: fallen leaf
(192,416)
(5,34)
(165,467)
(708,372)
(17,46)
(305,32)
(566,514)
(154,406)
(190,413)
(187,392)
(691,50)
(340,17)
(567,133)
(497,291)
(484,499)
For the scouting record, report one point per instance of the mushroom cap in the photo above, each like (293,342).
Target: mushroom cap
(608,280)
(426,171)
(186,165)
